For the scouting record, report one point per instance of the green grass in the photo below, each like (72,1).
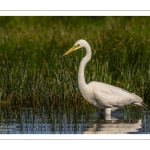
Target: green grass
(32,73)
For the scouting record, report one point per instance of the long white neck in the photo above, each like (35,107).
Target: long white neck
(84,61)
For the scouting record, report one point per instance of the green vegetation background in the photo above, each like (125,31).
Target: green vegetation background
(32,73)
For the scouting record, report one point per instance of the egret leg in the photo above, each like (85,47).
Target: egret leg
(107,117)
(107,111)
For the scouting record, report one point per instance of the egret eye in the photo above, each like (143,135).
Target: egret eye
(76,46)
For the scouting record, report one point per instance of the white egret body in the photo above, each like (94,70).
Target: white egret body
(104,96)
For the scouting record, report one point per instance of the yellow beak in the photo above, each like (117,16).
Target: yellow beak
(69,51)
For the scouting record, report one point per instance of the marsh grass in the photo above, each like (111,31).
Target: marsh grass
(32,73)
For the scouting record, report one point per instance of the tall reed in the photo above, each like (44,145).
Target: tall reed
(32,73)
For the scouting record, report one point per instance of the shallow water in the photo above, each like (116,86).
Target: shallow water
(31,121)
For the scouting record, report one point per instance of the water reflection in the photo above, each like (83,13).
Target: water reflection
(50,121)
(112,125)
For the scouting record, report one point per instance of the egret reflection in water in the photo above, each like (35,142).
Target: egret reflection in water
(114,125)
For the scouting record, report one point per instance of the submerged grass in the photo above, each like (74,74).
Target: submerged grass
(32,73)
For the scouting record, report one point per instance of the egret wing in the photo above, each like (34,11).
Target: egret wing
(111,96)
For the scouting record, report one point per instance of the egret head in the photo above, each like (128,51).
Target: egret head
(79,44)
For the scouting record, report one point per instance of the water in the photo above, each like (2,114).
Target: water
(51,121)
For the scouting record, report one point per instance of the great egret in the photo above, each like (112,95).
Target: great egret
(104,96)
